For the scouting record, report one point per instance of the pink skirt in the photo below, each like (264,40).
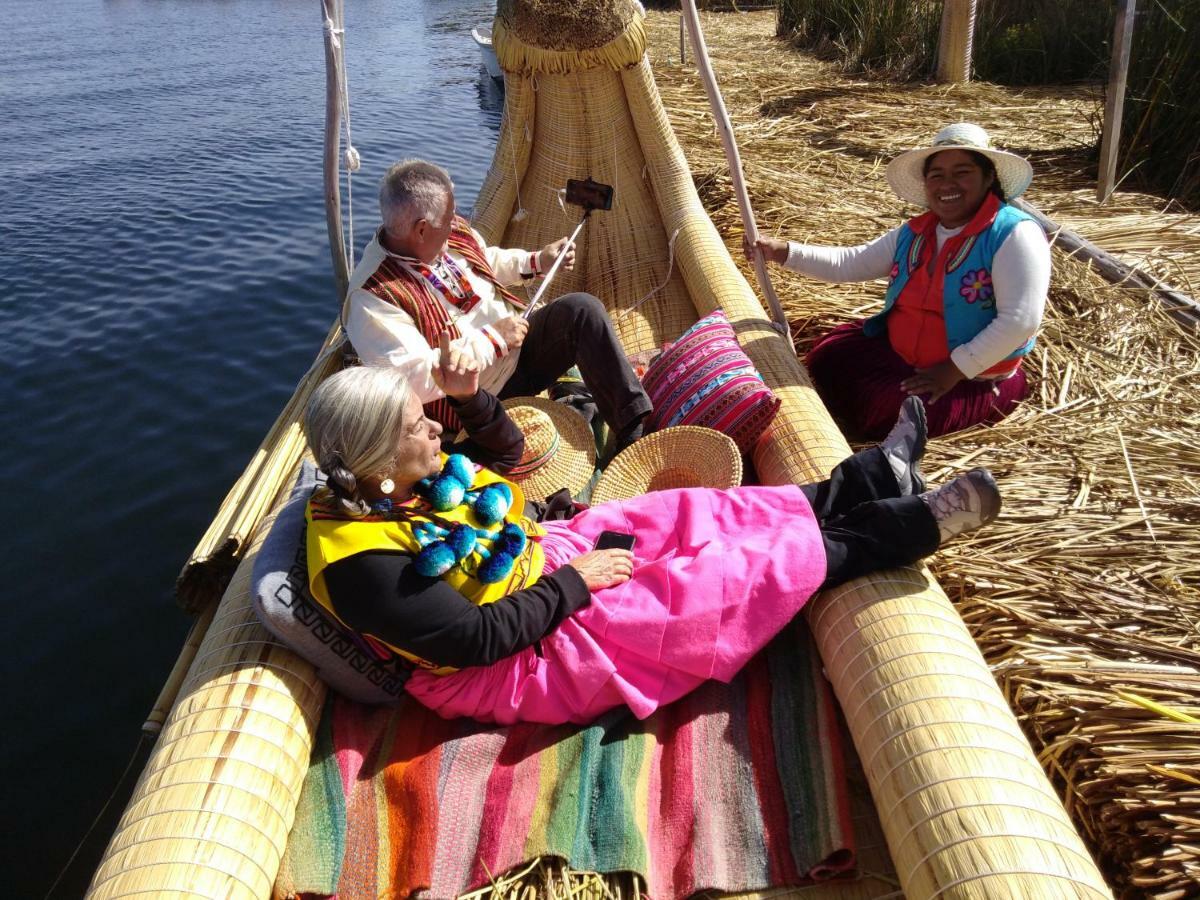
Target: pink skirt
(858,378)
(716,575)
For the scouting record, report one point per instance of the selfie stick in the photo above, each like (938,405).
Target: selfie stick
(554,267)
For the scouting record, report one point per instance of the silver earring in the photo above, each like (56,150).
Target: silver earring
(387,485)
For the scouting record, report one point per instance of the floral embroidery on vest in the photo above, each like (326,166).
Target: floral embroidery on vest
(977,288)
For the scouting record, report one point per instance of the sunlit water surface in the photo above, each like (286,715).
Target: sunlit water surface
(164,282)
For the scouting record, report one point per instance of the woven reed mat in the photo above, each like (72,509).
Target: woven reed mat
(735,787)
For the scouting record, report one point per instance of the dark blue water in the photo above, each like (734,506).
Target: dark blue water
(164,282)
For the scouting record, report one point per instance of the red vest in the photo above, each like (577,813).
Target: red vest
(398,285)
(916,324)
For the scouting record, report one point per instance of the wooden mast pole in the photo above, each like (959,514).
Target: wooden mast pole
(333,12)
(1110,141)
(955,41)
(725,129)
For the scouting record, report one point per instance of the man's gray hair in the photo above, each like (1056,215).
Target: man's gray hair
(353,423)
(413,189)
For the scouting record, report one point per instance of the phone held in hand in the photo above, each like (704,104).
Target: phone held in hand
(615,540)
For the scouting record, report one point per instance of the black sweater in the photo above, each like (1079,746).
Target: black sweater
(381,593)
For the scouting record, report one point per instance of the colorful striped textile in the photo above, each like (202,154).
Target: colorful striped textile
(704,378)
(735,787)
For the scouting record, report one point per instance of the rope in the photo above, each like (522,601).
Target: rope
(143,742)
(662,284)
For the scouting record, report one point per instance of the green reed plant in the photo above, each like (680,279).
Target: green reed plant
(1160,135)
(867,35)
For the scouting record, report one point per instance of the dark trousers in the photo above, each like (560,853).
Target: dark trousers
(575,330)
(865,524)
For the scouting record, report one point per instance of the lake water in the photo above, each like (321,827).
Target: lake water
(164,282)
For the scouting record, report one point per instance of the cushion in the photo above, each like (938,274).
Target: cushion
(705,379)
(279,592)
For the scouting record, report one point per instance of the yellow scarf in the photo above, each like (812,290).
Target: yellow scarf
(332,537)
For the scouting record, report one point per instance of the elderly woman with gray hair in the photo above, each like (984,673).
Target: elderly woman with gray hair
(426,270)
(505,619)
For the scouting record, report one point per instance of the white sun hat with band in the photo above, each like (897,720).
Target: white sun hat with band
(560,449)
(906,176)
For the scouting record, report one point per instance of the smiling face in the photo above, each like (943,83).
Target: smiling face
(955,186)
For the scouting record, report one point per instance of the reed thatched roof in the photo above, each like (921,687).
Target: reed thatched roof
(1085,595)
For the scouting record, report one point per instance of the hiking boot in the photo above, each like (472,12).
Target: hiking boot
(964,504)
(905,445)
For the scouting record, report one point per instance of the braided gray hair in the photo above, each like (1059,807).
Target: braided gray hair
(353,423)
(413,189)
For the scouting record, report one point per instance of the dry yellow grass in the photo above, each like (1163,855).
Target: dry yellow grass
(1085,595)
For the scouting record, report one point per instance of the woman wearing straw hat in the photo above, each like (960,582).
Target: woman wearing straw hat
(505,619)
(967,284)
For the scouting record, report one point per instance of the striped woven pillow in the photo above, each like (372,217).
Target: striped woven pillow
(705,379)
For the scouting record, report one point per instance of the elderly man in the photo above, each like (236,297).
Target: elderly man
(427,271)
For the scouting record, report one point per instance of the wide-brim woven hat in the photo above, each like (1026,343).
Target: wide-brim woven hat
(685,456)
(904,173)
(560,449)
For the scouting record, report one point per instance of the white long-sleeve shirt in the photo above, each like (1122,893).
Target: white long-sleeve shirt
(1020,279)
(385,335)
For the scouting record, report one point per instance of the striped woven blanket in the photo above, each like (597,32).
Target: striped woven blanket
(735,787)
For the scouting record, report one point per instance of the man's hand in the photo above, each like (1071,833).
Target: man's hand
(773,250)
(548,253)
(934,381)
(513,329)
(456,373)
(603,568)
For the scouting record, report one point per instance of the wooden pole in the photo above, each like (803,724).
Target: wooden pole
(1184,308)
(1114,101)
(170,691)
(956,41)
(725,128)
(333,13)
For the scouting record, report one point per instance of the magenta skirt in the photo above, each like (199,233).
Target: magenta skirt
(716,575)
(858,378)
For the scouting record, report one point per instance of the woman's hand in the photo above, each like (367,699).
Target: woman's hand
(935,381)
(456,373)
(773,250)
(603,568)
(547,255)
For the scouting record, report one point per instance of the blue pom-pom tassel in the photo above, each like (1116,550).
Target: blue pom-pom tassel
(446,493)
(462,541)
(459,468)
(511,540)
(492,504)
(435,560)
(495,568)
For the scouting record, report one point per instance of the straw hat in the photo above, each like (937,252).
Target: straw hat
(560,449)
(906,178)
(681,457)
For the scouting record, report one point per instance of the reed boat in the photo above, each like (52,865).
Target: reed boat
(959,806)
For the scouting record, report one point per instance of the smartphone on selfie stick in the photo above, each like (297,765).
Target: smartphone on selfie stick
(615,540)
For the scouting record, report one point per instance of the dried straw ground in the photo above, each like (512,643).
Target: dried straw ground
(1085,595)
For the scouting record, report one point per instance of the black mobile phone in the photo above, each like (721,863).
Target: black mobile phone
(615,540)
